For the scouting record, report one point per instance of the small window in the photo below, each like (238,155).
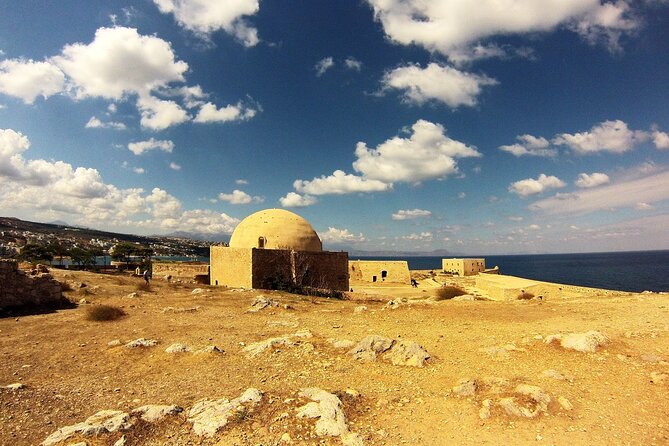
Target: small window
(384,274)
(261,242)
(373,278)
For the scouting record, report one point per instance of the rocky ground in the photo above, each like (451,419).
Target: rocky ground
(211,366)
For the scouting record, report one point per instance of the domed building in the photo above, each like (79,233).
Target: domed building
(273,248)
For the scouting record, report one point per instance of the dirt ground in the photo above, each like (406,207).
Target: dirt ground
(70,372)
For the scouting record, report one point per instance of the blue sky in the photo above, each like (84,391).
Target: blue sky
(493,127)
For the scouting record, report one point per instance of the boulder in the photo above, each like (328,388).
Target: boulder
(327,408)
(177,348)
(260,303)
(141,342)
(587,342)
(371,346)
(465,387)
(209,416)
(153,412)
(100,423)
(407,353)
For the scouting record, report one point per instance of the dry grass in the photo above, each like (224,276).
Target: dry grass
(66,286)
(449,292)
(143,286)
(104,313)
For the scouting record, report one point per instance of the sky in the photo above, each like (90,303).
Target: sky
(488,127)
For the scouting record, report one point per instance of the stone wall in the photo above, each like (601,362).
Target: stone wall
(22,289)
(230,267)
(392,271)
(463,267)
(179,270)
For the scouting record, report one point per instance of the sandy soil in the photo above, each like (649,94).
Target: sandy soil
(70,372)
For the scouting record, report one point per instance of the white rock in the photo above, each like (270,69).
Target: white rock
(554,374)
(209,416)
(407,353)
(153,413)
(15,386)
(351,439)
(197,291)
(582,342)
(177,348)
(257,348)
(658,378)
(260,303)
(132,295)
(343,344)
(141,342)
(120,441)
(465,387)
(327,408)
(360,309)
(565,403)
(209,349)
(102,422)
(114,343)
(485,410)
(371,346)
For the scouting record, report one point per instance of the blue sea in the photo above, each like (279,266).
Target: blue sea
(625,271)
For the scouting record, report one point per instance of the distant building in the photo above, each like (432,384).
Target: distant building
(391,271)
(463,267)
(273,248)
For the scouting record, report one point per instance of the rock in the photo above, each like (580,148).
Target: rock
(371,346)
(114,343)
(285,438)
(465,387)
(582,342)
(141,342)
(327,408)
(120,441)
(351,439)
(485,410)
(153,413)
(256,348)
(395,303)
(538,402)
(177,348)
(658,378)
(464,297)
(502,352)
(102,422)
(260,303)
(565,403)
(407,353)
(209,416)
(343,344)
(554,374)
(15,386)
(180,310)
(132,295)
(83,301)
(210,349)
(197,291)
(360,309)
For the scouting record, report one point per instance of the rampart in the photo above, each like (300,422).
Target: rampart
(180,270)
(20,289)
(392,271)
(501,287)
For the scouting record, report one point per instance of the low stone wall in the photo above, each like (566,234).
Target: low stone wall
(21,289)
(180,270)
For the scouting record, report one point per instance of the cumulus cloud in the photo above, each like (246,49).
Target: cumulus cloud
(592,180)
(12,143)
(648,188)
(339,183)
(449,26)
(175,166)
(323,65)
(140,147)
(159,114)
(531,186)
(410,214)
(660,139)
(531,146)
(210,113)
(423,237)
(436,82)
(27,79)
(609,136)
(95,123)
(138,170)
(204,17)
(337,236)
(426,154)
(352,63)
(293,200)
(241,181)
(239,197)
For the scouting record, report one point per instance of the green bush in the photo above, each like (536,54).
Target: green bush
(104,313)
(449,292)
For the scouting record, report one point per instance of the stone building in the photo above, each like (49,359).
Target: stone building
(275,247)
(391,271)
(463,267)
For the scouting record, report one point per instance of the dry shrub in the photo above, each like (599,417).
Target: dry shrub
(143,286)
(104,313)
(525,296)
(449,292)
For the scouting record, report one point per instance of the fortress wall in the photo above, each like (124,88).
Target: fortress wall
(463,267)
(270,266)
(180,270)
(327,270)
(396,271)
(230,267)
(22,289)
(509,287)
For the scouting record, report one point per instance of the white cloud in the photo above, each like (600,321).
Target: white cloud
(204,17)
(352,63)
(27,79)
(532,186)
(175,166)
(427,154)
(293,200)
(241,181)
(323,65)
(239,197)
(95,123)
(609,136)
(650,188)
(101,68)
(660,139)
(158,114)
(209,113)
(336,236)
(462,195)
(530,145)
(138,170)
(449,26)
(516,218)
(410,214)
(436,82)
(152,144)
(592,180)
(644,207)
(423,236)
(339,183)
(12,143)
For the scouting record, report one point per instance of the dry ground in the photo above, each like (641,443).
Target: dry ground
(70,372)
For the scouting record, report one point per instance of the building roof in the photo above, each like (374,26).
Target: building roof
(275,229)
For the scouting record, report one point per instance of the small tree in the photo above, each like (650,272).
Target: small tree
(123,251)
(82,257)
(34,253)
(58,250)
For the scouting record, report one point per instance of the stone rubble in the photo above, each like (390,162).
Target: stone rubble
(153,413)
(102,422)
(14,387)
(209,416)
(260,303)
(141,343)
(587,342)
(329,410)
(397,352)
(290,340)
(177,348)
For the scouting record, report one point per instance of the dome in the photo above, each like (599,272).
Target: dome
(275,229)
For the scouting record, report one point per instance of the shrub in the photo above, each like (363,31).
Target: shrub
(143,286)
(449,292)
(104,313)
(525,296)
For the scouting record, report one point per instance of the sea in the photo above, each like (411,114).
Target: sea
(625,271)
